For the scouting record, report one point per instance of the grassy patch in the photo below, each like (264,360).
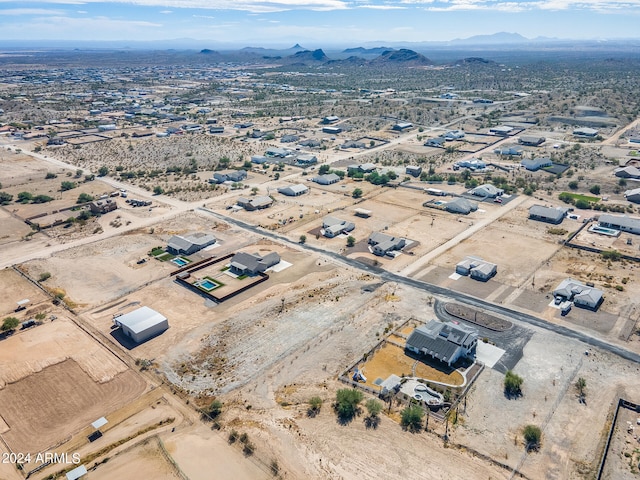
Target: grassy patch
(213,280)
(165,256)
(557,231)
(578,196)
(224,269)
(242,277)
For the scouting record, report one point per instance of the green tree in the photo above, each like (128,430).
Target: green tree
(254,190)
(50,175)
(79,173)
(583,204)
(613,255)
(44,276)
(9,323)
(581,385)
(214,409)
(622,182)
(595,189)
(5,198)
(103,171)
(347,403)
(315,404)
(532,436)
(303,239)
(357,193)
(512,384)
(42,199)
(324,169)
(84,198)
(84,215)
(573,184)
(158,190)
(64,186)
(411,418)
(25,197)
(351,241)
(374,407)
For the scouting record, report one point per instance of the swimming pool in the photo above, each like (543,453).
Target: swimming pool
(604,231)
(207,285)
(181,262)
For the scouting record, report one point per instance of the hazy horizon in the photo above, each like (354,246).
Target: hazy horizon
(282,23)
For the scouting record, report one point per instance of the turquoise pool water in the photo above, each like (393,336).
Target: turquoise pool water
(208,285)
(181,262)
(604,231)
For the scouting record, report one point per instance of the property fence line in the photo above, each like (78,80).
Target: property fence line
(549,415)
(622,403)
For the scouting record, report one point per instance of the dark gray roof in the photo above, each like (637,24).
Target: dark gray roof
(439,340)
(619,220)
(548,212)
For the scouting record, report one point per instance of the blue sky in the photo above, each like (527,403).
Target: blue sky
(314,23)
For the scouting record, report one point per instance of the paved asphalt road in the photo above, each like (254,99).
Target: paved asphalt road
(524,318)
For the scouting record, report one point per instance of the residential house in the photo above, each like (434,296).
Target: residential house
(255,203)
(453,135)
(352,144)
(502,130)
(585,132)
(535,164)
(623,223)
(531,141)
(445,342)
(332,130)
(327,179)
(553,215)
(102,206)
(402,126)
(509,151)
(333,226)
(461,205)
(476,268)
(294,190)
(243,263)
(289,138)
(306,159)
(330,119)
(487,190)
(233,176)
(189,244)
(384,244)
(435,142)
(364,168)
(413,170)
(632,195)
(582,295)
(627,172)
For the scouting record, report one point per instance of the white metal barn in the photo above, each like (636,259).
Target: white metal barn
(142,324)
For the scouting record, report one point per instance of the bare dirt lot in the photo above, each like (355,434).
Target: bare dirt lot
(30,351)
(60,399)
(114,269)
(503,242)
(147,456)
(16,288)
(572,432)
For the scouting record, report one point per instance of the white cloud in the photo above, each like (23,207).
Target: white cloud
(30,11)
(256,6)
(383,7)
(166,12)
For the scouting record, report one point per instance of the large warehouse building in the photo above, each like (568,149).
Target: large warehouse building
(142,324)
